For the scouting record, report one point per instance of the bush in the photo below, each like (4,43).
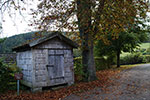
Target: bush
(146,58)
(7,81)
(132,59)
(78,69)
(5,76)
(100,64)
(142,50)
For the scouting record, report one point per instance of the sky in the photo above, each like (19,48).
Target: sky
(18,24)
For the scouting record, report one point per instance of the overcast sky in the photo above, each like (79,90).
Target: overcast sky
(18,24)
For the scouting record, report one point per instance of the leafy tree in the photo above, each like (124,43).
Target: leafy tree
(90,18)
(126,42)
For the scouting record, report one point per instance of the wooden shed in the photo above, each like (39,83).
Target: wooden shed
(47,61)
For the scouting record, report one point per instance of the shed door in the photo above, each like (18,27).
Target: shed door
(55,65)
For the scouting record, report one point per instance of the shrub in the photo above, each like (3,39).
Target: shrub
(100,64)
(78,69)
(7,81)
(5,76)
(146,58)
(132,59)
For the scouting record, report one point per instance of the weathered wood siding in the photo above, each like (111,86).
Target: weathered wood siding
(40,72)
(24,61)
(54,44)
(68,66)
(41,54)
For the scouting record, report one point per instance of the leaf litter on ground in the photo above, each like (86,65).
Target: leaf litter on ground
(104,80)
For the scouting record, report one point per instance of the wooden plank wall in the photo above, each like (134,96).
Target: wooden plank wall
(24,61)
(41,60)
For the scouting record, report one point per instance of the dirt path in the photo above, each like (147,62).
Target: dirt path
(134,84)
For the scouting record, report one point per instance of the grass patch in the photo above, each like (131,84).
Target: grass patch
(124,67)
(145,45)
(142,46)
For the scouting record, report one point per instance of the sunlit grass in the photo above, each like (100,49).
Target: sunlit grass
(142,46)
(124,67)
(145,45)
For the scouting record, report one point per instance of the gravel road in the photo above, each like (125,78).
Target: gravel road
(134,84)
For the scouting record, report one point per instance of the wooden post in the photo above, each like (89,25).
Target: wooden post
(18,87)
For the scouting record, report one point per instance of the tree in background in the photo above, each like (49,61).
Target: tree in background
(91,18)
(126,42)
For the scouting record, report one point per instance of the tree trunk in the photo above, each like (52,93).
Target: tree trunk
(85,56)
(88,61)
(91,64)
(84,24)
(118,59)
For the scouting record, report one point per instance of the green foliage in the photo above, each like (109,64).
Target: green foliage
(147,52)
(146,59)
(101,63)
(13,41)
(5,76)
(145,45)
(7,81)
(126,42)
(2,40)
(10,42)
(77,52)
(141,55)
(143,51)
(135,58)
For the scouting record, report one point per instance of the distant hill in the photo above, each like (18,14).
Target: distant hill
(10,42)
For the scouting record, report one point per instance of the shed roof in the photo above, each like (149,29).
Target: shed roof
(29,45)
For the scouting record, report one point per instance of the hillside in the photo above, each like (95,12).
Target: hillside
(15,40)
(10,42)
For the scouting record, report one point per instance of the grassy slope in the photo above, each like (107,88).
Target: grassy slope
(145,45)
(142,46)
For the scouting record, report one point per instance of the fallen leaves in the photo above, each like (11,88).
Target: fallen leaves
(104,79)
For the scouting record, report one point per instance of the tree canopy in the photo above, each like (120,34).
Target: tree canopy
(126,42)
(92,18)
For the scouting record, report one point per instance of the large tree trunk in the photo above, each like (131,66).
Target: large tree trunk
(91,64)
(118,59)
(88,61)
(84,24)
(85,56)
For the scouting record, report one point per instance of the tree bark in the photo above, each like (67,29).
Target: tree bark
(84,24)
(85,57)
(91,64)
(118,59)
